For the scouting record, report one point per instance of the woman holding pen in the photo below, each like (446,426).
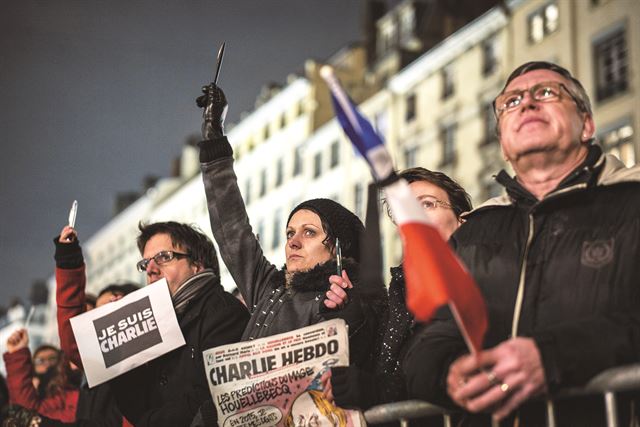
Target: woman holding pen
(307,289)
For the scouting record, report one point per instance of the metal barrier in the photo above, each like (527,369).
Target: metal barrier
(607,383)
(405,411)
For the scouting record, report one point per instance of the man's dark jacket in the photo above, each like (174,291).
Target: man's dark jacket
(169,390)
(564,271)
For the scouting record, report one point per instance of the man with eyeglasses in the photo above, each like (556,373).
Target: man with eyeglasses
(169,390)
(556,259)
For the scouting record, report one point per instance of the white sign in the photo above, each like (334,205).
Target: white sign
(122,335)
(276,380)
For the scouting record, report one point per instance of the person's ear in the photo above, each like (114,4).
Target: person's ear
(504,155)
(196,267)
(588,128)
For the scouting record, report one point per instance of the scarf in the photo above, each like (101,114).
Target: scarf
(189,289)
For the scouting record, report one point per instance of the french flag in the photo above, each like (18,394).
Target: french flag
(434,276)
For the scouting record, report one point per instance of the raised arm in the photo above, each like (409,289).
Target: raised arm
(70,286)
(20,377)
(239,247)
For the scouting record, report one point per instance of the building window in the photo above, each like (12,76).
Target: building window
(279,172)
(447,138)
(335,154)
(489,56)
(247,192)
(543,22)
(317,165)
(266,132)
(277,232)
(611,64)
(251,144)
(297,161)
(263,183)
(619,142)
(260,231)
(380,122)
(410,157)
(489,124)
(283,121)
(410,113)
(358,200)
(407,24)
(448,86)
(386,37)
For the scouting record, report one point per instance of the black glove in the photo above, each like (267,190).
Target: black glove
(215,110)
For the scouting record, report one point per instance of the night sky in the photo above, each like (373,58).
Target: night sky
(96,95)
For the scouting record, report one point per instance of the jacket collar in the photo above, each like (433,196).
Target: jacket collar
(586,174)
(317,279)
(591,172)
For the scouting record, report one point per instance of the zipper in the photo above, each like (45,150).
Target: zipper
(523,270)
(523,274)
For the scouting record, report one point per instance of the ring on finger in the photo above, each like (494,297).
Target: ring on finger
(504,387)
(491,376)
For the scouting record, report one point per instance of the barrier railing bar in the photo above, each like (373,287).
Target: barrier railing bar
(551,415)
(405,410)
(623,378)
(610,405)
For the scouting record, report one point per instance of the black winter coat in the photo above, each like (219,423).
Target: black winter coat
(97,407)
(563,270)
(168,391)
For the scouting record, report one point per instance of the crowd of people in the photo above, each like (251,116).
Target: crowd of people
(555,259)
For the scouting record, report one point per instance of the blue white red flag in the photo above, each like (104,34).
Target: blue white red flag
(434,275)
(359,130)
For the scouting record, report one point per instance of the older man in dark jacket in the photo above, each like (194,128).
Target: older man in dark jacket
(556,259)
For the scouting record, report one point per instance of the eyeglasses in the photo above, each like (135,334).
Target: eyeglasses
(542,92)
(430,203)
(51,360)
(160,258)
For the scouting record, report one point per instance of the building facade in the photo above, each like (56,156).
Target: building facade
(431,100)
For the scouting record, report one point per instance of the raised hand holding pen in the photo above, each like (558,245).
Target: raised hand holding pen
(215,105)
(68,233)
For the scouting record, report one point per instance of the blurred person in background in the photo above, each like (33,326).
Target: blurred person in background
(45,384)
